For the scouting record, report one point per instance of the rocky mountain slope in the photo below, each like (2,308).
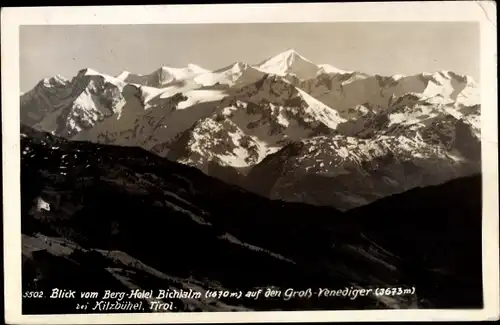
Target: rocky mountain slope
(66,107)
(163,76)
(345,92)
(98,217)
(253,122)
(234,122)
(386,155)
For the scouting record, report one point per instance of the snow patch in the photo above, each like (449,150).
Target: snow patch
(201,96)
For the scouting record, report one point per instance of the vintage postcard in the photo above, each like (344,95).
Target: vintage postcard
(250,163)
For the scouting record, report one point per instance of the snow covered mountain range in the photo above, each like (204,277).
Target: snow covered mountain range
(285,128)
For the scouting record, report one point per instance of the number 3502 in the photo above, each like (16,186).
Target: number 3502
(33,294)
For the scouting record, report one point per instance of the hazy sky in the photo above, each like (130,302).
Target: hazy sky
(382,48)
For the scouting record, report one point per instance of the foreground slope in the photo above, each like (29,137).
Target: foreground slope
(100,217)
(429,226)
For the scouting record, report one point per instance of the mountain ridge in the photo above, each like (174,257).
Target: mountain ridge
(285,53)
(230,119)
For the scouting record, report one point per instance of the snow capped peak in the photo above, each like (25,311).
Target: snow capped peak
(471,82)
(163,76)
(123,75)
(289,62)
(166,72)
(286,59)
(397,77)
(236,66)
(164,68)
(289,51)
(327,68)
(89,72)
(181,73)
(290,54)
(54,81)
(169,74)
(60,78)
(238,73)
(445,74)
(445,77)
(196,68)
(240,66)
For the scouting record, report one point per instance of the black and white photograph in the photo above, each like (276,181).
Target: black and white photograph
(201,168)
